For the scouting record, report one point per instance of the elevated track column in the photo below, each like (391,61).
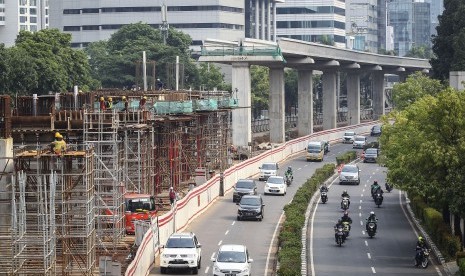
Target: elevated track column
(378,94)
(241,117)
(353,98)
(277,116)
(305,101)
(329,99)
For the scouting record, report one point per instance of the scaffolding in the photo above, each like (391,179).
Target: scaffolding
(218,138)
(101,130)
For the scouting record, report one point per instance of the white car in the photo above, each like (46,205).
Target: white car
(232,259)
(275,185)
(359,142)
(182,250)
(268,169)
(350,174)
(348,137)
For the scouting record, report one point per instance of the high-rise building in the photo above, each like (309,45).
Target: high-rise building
(89,20)
(362,24)
(17,15)
(437,7)
(313,20)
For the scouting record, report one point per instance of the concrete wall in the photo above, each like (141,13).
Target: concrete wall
(457,79)
(6,166)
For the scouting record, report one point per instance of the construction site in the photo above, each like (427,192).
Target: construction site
(60,213)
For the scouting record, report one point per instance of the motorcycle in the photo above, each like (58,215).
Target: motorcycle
(346,228)
(288,180)
(345,203)
(371,229)
(388,187)
(324,197)
(422,257)
(340,237)
(378,199)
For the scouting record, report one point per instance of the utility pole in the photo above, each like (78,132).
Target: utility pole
(164,27)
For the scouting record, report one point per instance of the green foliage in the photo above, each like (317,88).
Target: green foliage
(347,157)
(290,235)
(260,87)
(448,44)
(414,88)
(460,256)
(290,88)
(461,264)
(424,52)
(211,77)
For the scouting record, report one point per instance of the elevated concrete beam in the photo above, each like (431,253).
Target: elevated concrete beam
(299,61)
(276,106)
(248,59)
(353,65)
(305,101)
(242,116)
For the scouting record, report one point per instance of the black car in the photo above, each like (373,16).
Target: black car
(244,187)
(251,207)
(371,154)
(375,131)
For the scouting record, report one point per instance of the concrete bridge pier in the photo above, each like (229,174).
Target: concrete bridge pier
(378,94)
(353,98)
(305,101)
(329,99)
(242,116)
(6,166)
(276,106)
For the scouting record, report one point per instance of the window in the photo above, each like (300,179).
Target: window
(71,28)
(22,19)
(90,10)
(33,11)
(23,2)
(23,27)
(75,45)
(2,10)
(2,18)
(111,27)
(33,19)
(33,3)
(71,11)
(90,27)
(2,1)
(33,28)
(22,11)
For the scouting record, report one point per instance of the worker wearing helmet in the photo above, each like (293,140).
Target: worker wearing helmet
(126,104)
(59,145)
(103,106)
(142,103)
(109,104)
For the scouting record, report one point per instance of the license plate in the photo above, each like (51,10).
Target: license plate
(230,274)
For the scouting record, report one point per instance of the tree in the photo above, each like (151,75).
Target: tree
(414,88)
(3,69)
(211,77)
(424,149)
(23,74)
(448,44)
(420,52)
(290,88)
(260,86)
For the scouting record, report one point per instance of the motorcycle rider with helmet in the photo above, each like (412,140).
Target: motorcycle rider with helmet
(345,194)
(323,188)
(346,218)
(371,218)
(374,187)
(421,245)
(338,224)
(288,173)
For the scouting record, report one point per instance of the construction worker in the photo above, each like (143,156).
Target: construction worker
(109,103)
(126,104)
(59,145)
(142,103)
(102,104)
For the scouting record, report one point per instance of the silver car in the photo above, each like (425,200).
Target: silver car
(350,174)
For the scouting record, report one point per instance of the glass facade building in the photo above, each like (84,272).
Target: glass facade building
(362,23)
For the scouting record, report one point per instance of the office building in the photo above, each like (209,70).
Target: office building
(90,20)
(17,15)
(312,20)
(362,24)
(437,7)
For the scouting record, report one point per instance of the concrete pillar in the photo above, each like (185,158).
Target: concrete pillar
(456,79)
(378,94)
(262,36)
(276,106)
(242,116)
(305,102)
(257,20)
(6,165)
(329,100)
(353,98)
(274,21)
(268,20)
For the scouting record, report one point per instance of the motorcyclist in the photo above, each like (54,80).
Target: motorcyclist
(371,218)
(345,194)
(421,245)
(288,173)
(346,218)
(374,187)
(323,188)
(338,224)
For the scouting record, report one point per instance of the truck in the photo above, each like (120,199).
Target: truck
(138,207)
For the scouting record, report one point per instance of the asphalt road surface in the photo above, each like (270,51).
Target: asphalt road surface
(390,252)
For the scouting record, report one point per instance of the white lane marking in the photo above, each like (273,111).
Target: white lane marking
(359,214)
(305,165)
(438,271)
(271,243)
(363,232)
(226,233)
(360,201)
(360,207)
(234,222)
(366,242)
(361,223)
(365,185)
(373,269)
(299,169)
(361,195)
(207,269)
(363,190)
(369,255)
(220,243)
(213,255)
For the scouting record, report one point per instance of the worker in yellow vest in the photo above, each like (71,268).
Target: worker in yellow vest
(59,145)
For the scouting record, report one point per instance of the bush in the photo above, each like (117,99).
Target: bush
(459,255)
(462,267)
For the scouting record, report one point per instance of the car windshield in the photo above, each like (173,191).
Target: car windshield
(245,184)
(350,133)
(178,242)
(314,148)
(350,169)
(140,204)
(268,167)
(360,139)
(250,201)
(275,180)
(371,151)
(376,128)
(231,257)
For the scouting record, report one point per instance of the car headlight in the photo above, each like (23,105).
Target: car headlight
(216,268)
(267,186)
(166,256)
(245,270)
(282,186)
(258,210)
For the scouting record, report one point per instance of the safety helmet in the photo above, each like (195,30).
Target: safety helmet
(372,213)
(58,135)
(145,98)
(124,98)
(420,238)
(289,168)
(171,188)
(344,192)
(110,99)
(375,182)
(102,98)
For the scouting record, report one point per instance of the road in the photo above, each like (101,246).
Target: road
(389,251)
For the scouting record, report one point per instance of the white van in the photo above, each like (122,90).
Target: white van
(267,170)
(315,150)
